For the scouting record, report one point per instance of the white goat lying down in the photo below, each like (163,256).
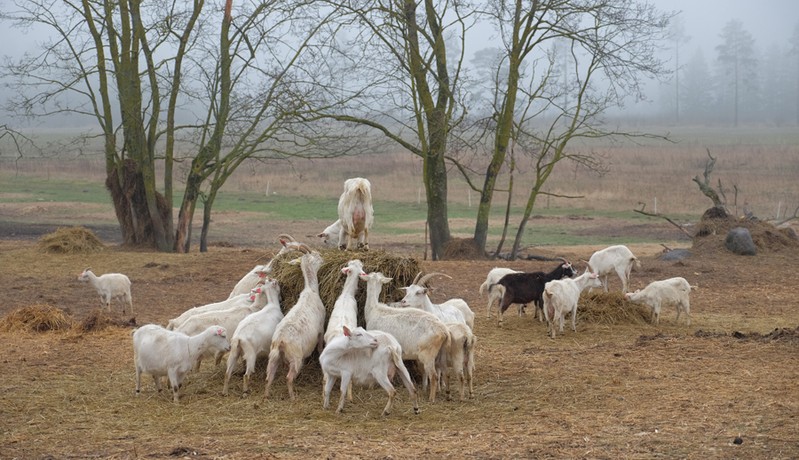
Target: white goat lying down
(618,259)
(359,356)
(163,353)
(110,286)
(669,291)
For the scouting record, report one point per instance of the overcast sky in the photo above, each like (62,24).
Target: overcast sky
(771,22)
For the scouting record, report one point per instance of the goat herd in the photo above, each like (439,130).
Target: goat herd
(439,337)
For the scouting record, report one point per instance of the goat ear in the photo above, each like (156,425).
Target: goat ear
(347,332)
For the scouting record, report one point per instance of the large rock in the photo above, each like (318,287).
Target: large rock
(739,241)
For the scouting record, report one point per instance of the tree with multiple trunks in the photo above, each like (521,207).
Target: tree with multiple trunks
(170,85)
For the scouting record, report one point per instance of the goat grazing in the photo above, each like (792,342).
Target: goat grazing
(355,213)
(253,336)
(561,296)
(303,327)
(357,356)
(159,352)
(617,259)
(675,291)
(420,334)
(526,287)
(110,286)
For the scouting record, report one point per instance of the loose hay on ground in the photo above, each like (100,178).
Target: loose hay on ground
(401,270)
(36,318)
(611,308)
(71,240)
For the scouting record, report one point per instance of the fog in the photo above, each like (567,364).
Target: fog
(771,24)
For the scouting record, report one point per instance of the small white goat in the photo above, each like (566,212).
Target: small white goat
(420,334)
(452,311)
(561,296)
(159,352)
(257,275)
(345,310)
(331,236)
(617,259)
(110,286)
(253,336)
(357,356)
(675,291)
(303,327)
(229,319)
(355,212)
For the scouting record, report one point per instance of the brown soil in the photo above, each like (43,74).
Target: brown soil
(625,390)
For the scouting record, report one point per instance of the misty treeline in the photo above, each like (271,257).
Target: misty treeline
(182,93)
(742,81)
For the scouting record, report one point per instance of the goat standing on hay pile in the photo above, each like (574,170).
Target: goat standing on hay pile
(355,216)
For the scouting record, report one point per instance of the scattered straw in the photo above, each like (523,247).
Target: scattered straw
(70,240)
(36,318)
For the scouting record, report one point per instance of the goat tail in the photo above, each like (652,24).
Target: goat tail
(484,288)
(636,262)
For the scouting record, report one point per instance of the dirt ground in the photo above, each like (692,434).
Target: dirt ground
(724,387)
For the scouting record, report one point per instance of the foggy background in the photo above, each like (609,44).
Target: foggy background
(774,81)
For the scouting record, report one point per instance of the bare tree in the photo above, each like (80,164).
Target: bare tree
(397,69)
(552,94)
(143,71)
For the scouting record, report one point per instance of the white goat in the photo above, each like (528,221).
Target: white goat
(303,327)
(357,356)
(345,310)
(675,291)
(110,286)
(257,275)
(229,319)
(240,300)
(253,336)
(617,259)
(495,294)
(331,236)
(355,213)
(159,352)
(561,296)
(452,311)
(460,358)
(420,334)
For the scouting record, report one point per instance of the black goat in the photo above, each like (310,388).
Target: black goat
(523,288)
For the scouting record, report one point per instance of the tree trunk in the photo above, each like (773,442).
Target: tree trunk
(435,181)
(208,204)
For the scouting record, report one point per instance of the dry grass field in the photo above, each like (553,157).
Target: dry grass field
(620,387)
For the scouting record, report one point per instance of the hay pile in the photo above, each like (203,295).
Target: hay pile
(70,240)
(611,308)
(712,230)
(402,270)
(36,318)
